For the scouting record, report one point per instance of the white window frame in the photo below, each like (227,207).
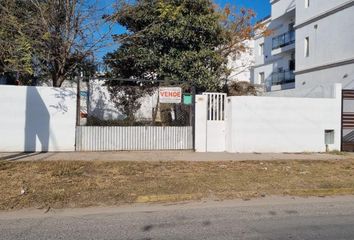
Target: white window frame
(307,47)
(261,77)
(307,3)
(261,49)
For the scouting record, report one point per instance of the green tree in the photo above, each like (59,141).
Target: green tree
(15,44)
(171,40)
(51,39)
(188,41)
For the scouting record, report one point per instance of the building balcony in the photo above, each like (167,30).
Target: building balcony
(283,43)
(281,78)
(283,40)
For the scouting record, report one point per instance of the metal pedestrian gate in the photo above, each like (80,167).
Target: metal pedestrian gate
(215,126)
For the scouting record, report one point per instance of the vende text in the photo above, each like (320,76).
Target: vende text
(170,94)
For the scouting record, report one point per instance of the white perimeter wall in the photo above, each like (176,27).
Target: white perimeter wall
(37,119)
(282,124)
(102,106)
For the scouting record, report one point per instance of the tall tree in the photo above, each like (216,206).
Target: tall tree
(16,51)
(171,40)
(183,40)
(239,29)
(60,36)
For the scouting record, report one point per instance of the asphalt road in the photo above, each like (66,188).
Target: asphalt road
(270,218)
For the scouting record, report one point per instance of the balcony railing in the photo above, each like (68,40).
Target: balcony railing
(280,78)
(283,40)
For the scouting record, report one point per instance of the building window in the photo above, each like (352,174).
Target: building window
(307,47)
(292,63)
(261,78)
(261,49)
(307,3)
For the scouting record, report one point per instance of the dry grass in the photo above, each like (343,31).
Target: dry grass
(81,183)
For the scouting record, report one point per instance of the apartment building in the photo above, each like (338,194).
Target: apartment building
(240,64)
(311,46)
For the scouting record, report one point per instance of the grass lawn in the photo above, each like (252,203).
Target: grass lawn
(63,184)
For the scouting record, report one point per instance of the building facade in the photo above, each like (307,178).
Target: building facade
(311,46)
(240,64)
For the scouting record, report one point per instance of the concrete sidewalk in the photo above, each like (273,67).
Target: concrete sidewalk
(168,156)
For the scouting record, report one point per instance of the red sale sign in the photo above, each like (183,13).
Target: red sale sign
(170,94)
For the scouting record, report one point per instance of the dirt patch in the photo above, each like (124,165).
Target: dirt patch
(66,184)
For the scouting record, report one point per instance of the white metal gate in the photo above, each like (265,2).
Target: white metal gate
(90,138)
(215,127)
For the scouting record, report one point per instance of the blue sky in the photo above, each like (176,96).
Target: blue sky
(261,7)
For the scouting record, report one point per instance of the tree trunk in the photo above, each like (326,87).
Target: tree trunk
(57,80)
(54,80)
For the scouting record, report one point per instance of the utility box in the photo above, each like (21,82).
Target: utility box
(329,137)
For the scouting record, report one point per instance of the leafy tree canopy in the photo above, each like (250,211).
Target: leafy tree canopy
(171,40)
(15,44)
(48,39)
(179,40)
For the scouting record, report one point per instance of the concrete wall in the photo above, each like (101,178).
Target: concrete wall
(201,111)
(240,64)
(102,106)
(37,119)
(281,7)
(331,40)
(318,91)
(276,124)
(331,58)
(317,7)
(272,124)
(327,77)
(267,69)
(266,56)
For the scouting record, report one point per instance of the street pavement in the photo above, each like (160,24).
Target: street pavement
(266,218)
